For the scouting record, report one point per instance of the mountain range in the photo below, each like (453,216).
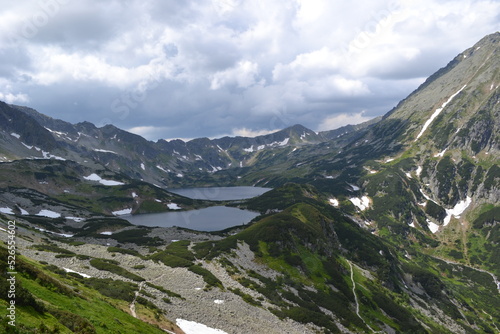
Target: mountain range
(387,226)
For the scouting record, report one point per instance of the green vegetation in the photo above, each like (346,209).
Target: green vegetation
(113,267)
(124,251)
(175,255)
(49,303)
(53,248)
(208,277)
(165,291)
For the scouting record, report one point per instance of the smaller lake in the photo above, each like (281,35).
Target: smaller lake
(220,193)
(214,218)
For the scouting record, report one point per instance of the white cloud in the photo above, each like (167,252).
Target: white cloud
(337,121)
(149,132)
(243,75)
(315,63)
(335,86)
(244,132)
(203,68)
(14,98)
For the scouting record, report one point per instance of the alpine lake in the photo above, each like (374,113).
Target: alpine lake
(214,218)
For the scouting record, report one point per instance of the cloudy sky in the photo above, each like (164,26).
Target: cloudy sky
(187,69)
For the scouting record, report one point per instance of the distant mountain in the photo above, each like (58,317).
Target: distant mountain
(27,133)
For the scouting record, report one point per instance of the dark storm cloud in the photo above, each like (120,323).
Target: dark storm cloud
(185,69)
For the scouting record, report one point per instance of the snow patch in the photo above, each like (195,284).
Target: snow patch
(161,168)
(440,154)
(104,151)
(106,233)
(134,195)
(97,178)
(389,160)
(48,213)
(72,271)
(354,187)
(362,203)
(419,171)
(179,175)
(173,206)
(249,150)
(6,211)
(436,113)
(59,234)
(122,212)
(425,196)
(47,155)
(284,142)
(192,327)
(13,134)
(432,226)
(76,219)
(143,167)
(334,202)
(457,210)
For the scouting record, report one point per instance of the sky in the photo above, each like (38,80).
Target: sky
(168,69)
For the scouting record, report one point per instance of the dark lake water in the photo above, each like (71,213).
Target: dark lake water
(214,218)
(221,193)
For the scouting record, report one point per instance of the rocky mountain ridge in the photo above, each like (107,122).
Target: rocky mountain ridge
(163,162)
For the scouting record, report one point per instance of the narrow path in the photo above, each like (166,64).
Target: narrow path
(356,297)
(354,290)
(132,304)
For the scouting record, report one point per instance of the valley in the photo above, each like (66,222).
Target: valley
(390,226)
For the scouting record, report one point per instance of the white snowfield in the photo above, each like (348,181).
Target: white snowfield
(174,206)
(261,147)
(334,202)
(48,213)
(436,113)
(7,211)
(97,178)
(457,210)
(104,151)
(362,203)
(72,271)
(55,233)
(122,212)
(432,226)
(191,327)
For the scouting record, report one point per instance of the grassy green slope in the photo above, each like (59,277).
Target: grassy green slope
(316,248)
(47,302)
